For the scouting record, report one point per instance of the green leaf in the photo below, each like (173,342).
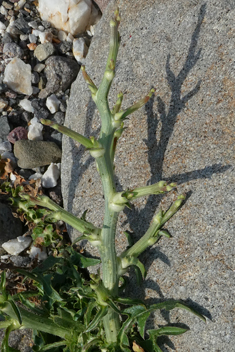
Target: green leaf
(3,282)
(113,305)
(53,345)
(171,304)
(156,347)
(83,262)
(48,264)
(191,310)
(93,342)
(133,313)
(5,323)
(87,316)
(99,315)
(30,305)
(128,261)
(68,323)
(16,310)
(139,277)
(167,330)
(141,321)
(125,341)
(129,301)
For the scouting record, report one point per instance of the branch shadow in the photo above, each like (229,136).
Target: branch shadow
(156,159)
(168,120)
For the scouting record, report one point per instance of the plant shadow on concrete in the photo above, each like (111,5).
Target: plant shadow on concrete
(139,219)
(80,312)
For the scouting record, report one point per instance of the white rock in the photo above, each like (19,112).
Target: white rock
(10,28)
(36,32)
(35,176)
(12,177)
(45,37)
(26,105)
(41,28)
(33,24)
(35,130)
(39,67)
(2,26)
(92,30)
(50,177)
(18,245)
(53,103)
(5,147)
(17,76)
(39,253)
(5,257)
(3,11)
(19,4)
(32,38)
(62,35)
(95,15)
(79,49)
(68,15)
(70,38)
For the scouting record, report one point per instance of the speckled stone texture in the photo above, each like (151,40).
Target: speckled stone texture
(185,133)
(102,4)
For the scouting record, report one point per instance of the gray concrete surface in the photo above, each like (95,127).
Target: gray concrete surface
(185,134)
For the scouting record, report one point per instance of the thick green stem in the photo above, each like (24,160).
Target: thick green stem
(107,239)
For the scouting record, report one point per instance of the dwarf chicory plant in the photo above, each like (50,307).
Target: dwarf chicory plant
(73,310)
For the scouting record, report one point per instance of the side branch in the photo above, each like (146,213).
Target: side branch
(59,213)
(123,114)
(154,232)
(70,133)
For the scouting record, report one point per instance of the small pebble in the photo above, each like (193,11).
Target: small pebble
(33,24)
(17,76)
(13,50)
(18,245)
(50,177)
(35,78)
(39,253)
(45,37)
(39,67)
(26,105)
(79,49)
(43,51)
(32,46)
(5,147)
(61,35)
(35,130)
(17,134)
(32,38)
(53,103)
